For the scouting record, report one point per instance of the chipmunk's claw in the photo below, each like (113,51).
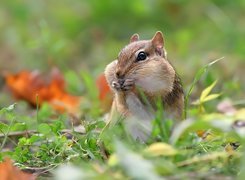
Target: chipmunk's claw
(123,85)
(116,85)
(127,85)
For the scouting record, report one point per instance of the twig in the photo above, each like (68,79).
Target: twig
(206,158)
(38,170)
(30,132)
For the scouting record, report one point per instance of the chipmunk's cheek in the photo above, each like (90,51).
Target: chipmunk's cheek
(152,84)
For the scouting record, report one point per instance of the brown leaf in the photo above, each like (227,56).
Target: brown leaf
(10,172)
(205,135)
(105,94)
(28,85)
(231,147)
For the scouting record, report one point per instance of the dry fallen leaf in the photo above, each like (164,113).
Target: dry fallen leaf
(105,94)
(31,86)
(113,160)
(231,147)
(10,172)
(205,135)
(160,149)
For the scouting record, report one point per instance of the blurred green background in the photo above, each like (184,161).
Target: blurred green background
(85,35)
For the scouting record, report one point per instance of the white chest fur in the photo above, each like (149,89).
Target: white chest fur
(139,123)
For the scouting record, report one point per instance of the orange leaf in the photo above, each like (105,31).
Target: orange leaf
(28,85)
(10,172)
(105,94)
(24,84)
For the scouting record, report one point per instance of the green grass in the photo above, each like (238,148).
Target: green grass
(80,38)
(52,146)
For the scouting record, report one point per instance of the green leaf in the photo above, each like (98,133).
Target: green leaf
(44,128)
(8,109)
(210,97)
(34,138)
(19,126)
(44,112)
(196,79)
(11,107)
(206,91)
(56,126)
(3,128)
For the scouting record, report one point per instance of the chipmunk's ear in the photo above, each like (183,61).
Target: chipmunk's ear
(134,38)
(158,42)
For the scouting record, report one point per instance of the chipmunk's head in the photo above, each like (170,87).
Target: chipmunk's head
(138,52)
(144,63)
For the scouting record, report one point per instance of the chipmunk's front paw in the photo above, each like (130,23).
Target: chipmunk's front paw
(127,85)
(123,85)
(116,85)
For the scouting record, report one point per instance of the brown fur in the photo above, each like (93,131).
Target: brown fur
(155,77)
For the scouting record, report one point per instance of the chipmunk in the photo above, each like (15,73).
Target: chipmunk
(142,67)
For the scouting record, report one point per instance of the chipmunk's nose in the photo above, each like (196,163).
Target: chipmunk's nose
(119,74)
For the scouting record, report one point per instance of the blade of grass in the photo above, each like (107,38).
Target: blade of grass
(197,77)
(159,121)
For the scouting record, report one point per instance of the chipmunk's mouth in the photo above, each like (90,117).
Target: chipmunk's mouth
(123,84)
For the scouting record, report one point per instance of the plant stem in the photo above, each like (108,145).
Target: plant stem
(197,77)
(6,135)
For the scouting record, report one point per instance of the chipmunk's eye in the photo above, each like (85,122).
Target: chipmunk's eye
(141,56)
